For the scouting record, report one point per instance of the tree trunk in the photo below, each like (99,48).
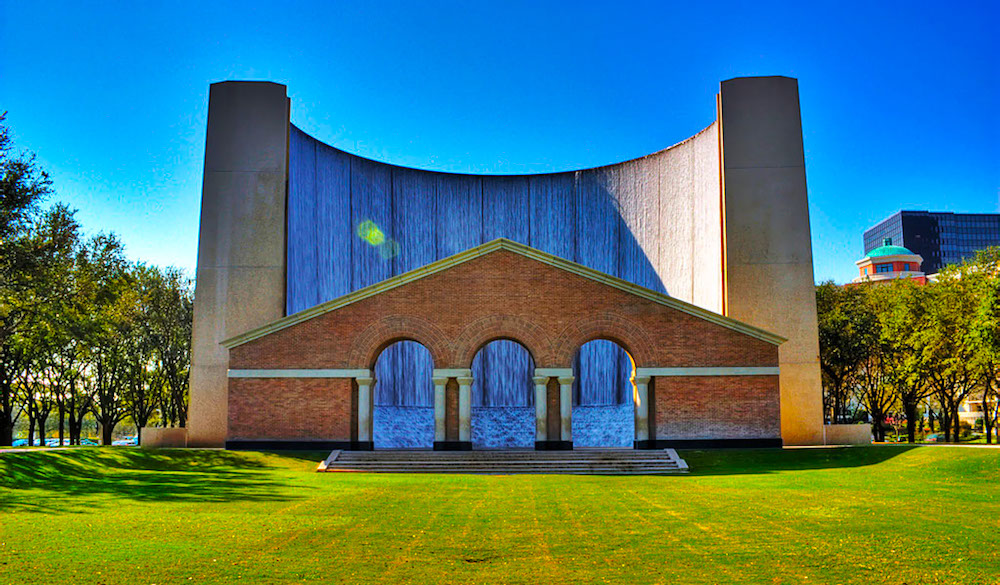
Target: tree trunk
(62,423)
(31,431)
(958,427)
(41,429)
(6,431)
(910,407)
(106,431)
(930,418)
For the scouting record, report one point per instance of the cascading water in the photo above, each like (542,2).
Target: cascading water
(353,222)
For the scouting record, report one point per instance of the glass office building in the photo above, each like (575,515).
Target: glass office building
(941,238)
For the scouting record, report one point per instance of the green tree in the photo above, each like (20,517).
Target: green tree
(169,325)
(23,187)
(943,345)
(902,315)
(846,329)
(983,276)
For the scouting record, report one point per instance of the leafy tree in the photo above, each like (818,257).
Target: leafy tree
(103,265)
(902,314)
(944,351)
(23,187)
(983,276)
(169,324)
(846,327)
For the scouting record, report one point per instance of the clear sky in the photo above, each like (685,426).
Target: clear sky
(899,99)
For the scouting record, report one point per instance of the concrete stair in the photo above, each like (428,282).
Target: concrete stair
(503,462)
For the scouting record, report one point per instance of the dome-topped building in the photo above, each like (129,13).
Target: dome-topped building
(888,262)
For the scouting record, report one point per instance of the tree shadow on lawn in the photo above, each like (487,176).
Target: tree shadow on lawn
(66,478)
(761,461)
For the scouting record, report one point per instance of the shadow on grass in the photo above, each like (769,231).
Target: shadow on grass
(54,481)
(759,461)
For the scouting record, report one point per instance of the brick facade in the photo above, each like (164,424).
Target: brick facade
(503,294)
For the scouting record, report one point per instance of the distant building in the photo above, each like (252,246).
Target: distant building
(940,238)
(889,262)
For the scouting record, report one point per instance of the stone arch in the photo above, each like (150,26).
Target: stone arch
(384,332)
(485,329)
(611,326)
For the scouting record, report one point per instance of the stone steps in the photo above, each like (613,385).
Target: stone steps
(580,462)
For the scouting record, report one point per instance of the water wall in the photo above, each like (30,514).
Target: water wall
(353,222)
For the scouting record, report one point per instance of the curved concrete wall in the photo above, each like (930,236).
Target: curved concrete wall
(719,220)
(353,222)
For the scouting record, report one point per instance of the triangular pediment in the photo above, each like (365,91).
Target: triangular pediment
(491,248)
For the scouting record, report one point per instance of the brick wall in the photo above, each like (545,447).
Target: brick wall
(716,407)
(502,294)
(291,408)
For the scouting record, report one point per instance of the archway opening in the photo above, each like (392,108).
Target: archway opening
(503,402)
(603,395)
(403,417)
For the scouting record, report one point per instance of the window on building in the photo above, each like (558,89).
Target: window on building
(883,268)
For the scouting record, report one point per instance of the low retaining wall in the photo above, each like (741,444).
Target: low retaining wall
(164,438)
(847,434)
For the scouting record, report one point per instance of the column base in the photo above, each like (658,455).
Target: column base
(362,445)
(553,445)
(453,445)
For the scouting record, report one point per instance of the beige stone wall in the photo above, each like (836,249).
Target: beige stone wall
(160,438)
(769,274)
(847,434)
(240,280)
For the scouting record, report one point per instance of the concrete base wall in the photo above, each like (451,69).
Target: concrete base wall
(847,434)
(164,438)
(768,247)
(240,279)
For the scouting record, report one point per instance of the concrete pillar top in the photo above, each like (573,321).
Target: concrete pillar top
(566,379)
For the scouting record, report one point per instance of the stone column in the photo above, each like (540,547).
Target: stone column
(642,412)
(541,409)
(440,383)
(566,408)
(465,411)
(365,437)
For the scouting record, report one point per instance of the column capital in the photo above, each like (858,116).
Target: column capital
(440,380)
(365,380)
(465,380)
(564,380)
(540,380)
(642,379)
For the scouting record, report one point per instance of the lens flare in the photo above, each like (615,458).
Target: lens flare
(369,231)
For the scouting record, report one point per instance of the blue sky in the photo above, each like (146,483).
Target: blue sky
(899,99)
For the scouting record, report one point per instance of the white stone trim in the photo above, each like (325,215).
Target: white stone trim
(554,372)
(710,371)
(300,373)
(451,372)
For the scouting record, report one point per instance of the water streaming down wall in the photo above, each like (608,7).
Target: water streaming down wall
(353,222)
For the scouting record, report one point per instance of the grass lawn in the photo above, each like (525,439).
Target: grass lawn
(884,514)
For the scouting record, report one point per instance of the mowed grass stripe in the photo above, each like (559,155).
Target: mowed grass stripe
(852,515)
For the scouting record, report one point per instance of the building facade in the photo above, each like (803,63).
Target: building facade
(887,263)
(940,238)
(289,225)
